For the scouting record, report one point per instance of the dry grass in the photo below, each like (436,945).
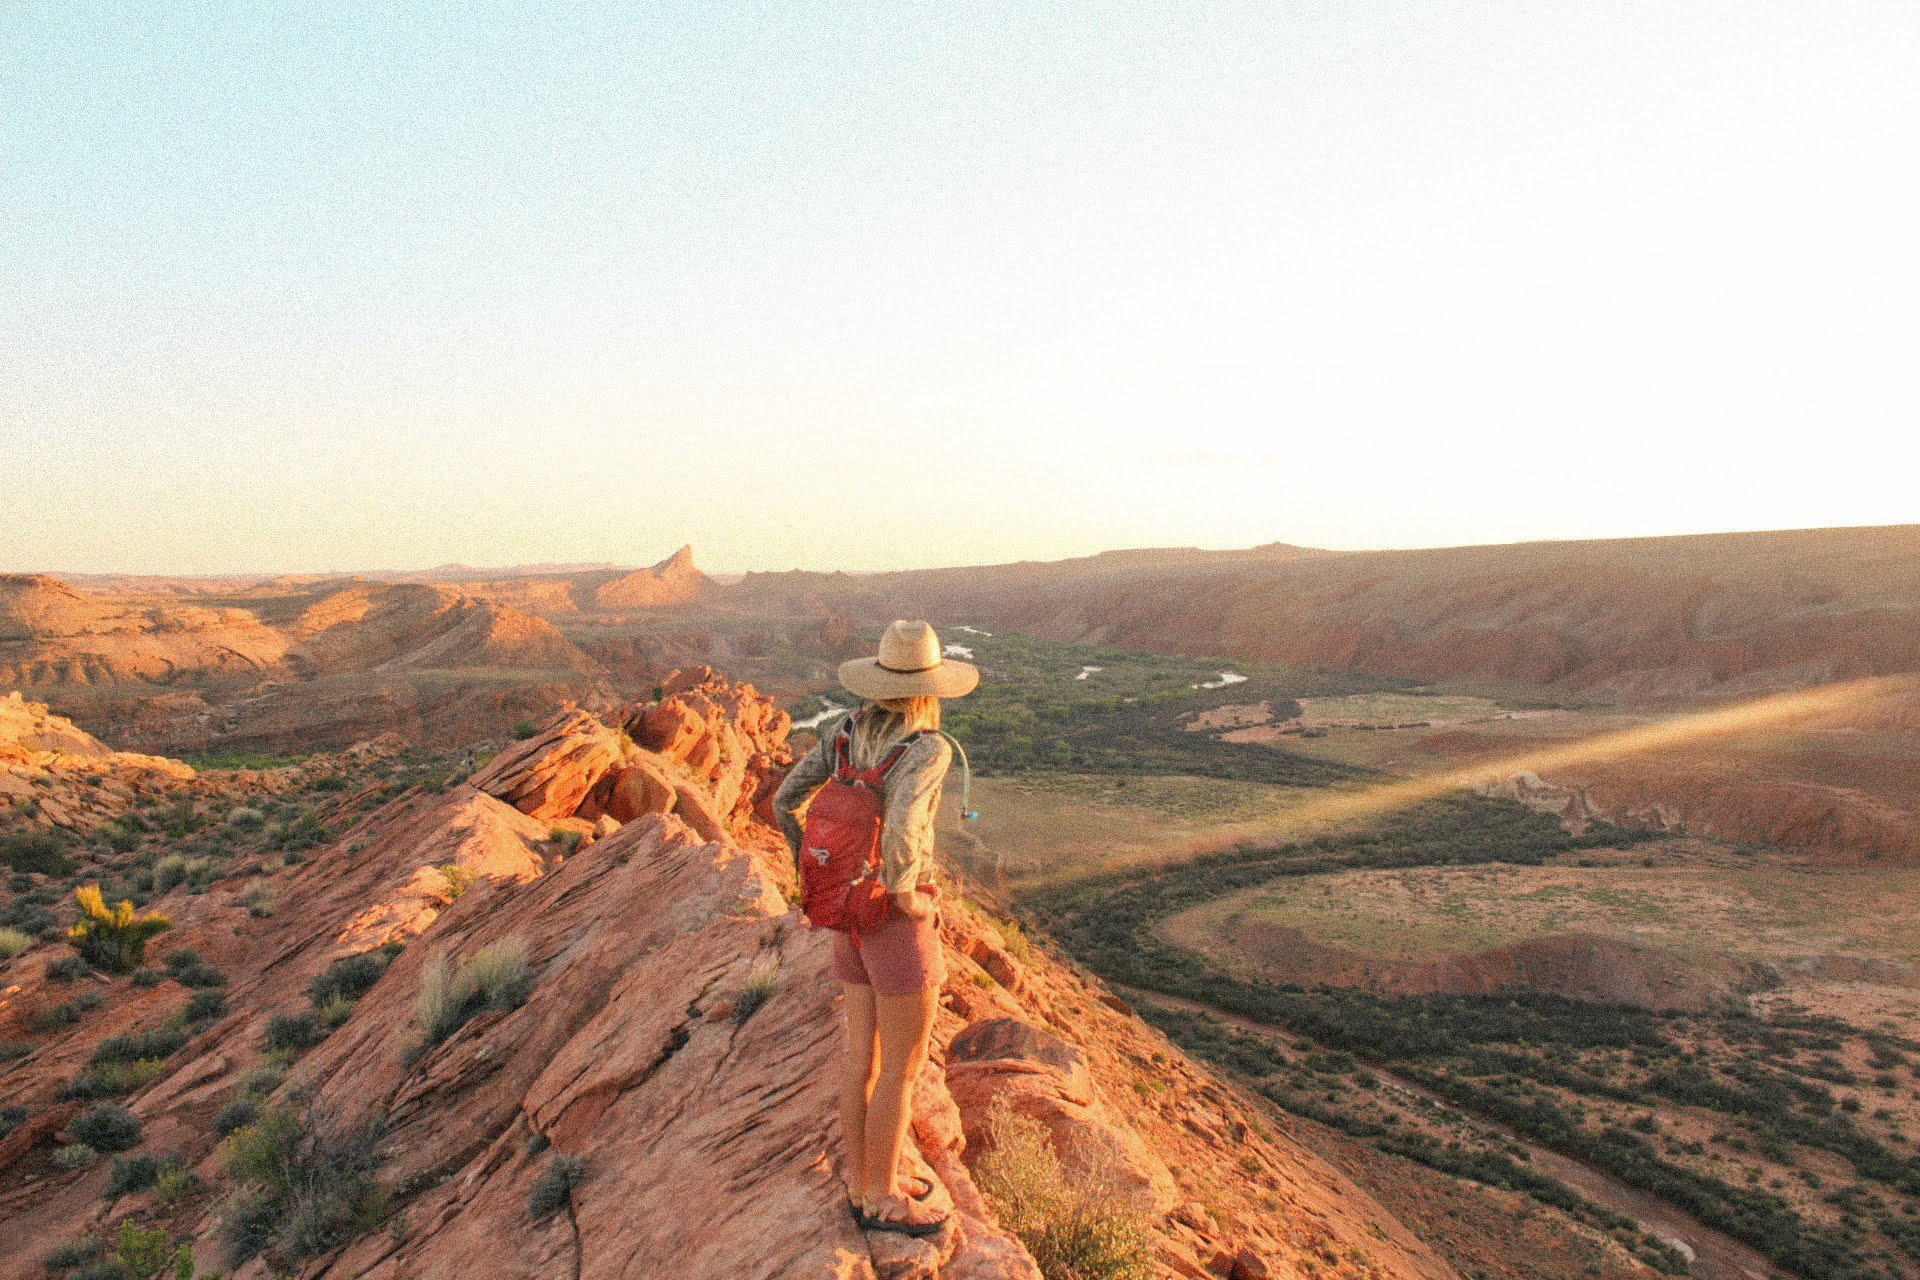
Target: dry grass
(1077,1226)
(497,976)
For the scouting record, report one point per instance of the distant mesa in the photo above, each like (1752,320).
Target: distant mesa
(672,581)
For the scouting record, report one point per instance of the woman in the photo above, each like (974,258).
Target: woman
(891,979)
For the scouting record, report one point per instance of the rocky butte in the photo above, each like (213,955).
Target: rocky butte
(553,1016)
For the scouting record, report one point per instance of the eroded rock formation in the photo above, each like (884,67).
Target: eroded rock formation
(679,1037)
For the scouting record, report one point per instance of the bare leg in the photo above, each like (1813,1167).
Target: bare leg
(902,1024)
(856,1083)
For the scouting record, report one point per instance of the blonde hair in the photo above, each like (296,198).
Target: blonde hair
(884,721)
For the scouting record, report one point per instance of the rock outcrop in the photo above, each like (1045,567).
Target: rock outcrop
(55,774)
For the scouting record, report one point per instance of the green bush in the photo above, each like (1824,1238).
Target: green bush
(186,967)
(113,1078)
(556,1184)
(66,969)
(294,1032)
(146,1255)
(204,1006)
(11,1118)
(41,851)
(72,1254)
(128,1048)
(523,729)
(300,1190)
(130,1174)
(49,1017)
(75,1155)
(237,1114)
(497,976)
(112,938)
(108,1126)
(347,979)
(13,942)
(457,878)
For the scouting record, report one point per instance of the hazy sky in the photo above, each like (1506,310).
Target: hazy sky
(300,286)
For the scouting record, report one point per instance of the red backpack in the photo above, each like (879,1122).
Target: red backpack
(840,843)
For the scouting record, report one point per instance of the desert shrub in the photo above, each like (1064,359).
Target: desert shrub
(41,851)
(66,969)
(175,1181)
(237,1114)
(186,967)
(107,1126)
(246,819)
(75,1155)
(169,871)
(258,900)
(300,1190)
(556,1184)
(121,1064)
(130,1174)
(147,976)
(11,1118)
(759,987)
(260,1081)
(203,1006)
(112,1079)
(112,938)
(120,837)
(181,818)
(1013,938)
(1077,1227)
(522,730)
(73,1253)
(497,976)
(334,1013)
(457,878)
(28,913)
(147,1255)
(14,1049)
(304,832)
(348,979)
(147,1044)
(13,942)
(293,1031)
(49,1017)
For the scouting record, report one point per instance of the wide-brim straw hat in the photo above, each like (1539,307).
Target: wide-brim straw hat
(910,664)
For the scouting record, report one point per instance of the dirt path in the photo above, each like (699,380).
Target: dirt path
(1716,1255)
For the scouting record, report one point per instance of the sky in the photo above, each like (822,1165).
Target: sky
(362,286)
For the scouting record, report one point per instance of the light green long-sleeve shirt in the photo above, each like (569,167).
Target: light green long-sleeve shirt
(911,796)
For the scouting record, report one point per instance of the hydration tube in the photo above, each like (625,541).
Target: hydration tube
(967,812)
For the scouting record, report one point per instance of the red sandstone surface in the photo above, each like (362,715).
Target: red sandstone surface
(708,1140)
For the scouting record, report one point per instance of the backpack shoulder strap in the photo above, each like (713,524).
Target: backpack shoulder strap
(880,771)
(843,750)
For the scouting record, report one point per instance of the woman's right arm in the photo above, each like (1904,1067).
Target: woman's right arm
(807,776)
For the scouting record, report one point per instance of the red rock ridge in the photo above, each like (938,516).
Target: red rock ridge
(708,1137)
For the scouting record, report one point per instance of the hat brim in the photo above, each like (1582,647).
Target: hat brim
(951,679)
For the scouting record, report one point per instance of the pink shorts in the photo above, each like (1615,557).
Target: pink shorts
(900,957)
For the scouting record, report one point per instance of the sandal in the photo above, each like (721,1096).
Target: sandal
(873,1222)
(858,1207)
